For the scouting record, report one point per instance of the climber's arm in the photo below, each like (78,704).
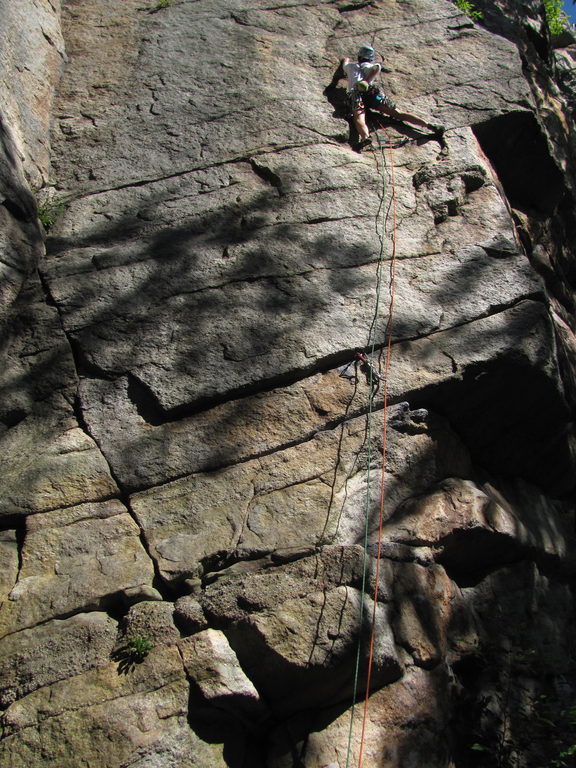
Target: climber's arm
(373,73)
(340,73)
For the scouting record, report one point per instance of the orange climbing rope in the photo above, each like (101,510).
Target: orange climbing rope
(388,334)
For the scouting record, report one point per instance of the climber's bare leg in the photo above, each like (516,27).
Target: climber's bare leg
(405,117)
(359,117)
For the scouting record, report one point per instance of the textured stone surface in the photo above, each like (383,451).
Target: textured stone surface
(49,461)
(214,668)
(476,528)
(72,560)
(20,250)
(419,699)
(303,496)
(313,640)
(53,651)
(152,620)
(31,49)
(261,242)
(21,240)
(189,616)
(293,313)
(126,717)
(37,357)
(294,627)
(424,599)
(190,457)
(28,81)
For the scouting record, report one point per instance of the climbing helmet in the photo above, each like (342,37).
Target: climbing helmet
(366,53)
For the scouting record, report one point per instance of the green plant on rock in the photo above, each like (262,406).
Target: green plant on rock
(50,210)
(556,727)
(138,648)
(563,761)
(469,9)
(556,19)
(163,4)
(132,652)
(514,726)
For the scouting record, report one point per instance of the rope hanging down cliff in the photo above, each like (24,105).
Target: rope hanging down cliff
(375,378)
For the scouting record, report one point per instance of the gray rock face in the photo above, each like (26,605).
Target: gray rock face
(125,714)
(51,462)
(33,54)
(39,361)
(72,560)
(214,668)
(222,528)
(32,48)
(296,641)
(294,313)
(21,239)
(303,496)
(54,651)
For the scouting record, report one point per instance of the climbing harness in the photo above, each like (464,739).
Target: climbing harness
(368,96)
(384,380)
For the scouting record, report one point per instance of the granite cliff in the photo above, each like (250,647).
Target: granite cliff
(192,573)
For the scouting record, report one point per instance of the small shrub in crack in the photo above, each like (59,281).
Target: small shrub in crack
(139,647)
(49,211)
(133,652)
(556,19)
(469,9)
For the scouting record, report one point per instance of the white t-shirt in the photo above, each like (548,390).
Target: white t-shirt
(360,70)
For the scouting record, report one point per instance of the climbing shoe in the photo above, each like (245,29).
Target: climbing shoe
(362,144)
(437,130)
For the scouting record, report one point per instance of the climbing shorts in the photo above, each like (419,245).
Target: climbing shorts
(373,98)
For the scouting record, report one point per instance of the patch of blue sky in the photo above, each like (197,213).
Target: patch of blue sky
(570,10)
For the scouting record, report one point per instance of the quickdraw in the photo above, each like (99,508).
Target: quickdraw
(368,368)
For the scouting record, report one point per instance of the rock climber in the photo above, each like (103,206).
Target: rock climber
(363,94)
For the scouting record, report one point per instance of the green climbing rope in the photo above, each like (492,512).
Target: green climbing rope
(372,347)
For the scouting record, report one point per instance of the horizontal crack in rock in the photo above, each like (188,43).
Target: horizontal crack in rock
(243,158)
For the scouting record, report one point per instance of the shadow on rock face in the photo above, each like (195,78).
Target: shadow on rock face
(517,149)
(515,422)
(513,687)
(510,412)
(206,309)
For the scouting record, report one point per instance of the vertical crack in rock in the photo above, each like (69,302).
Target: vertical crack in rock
(20,539)
(159,586)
